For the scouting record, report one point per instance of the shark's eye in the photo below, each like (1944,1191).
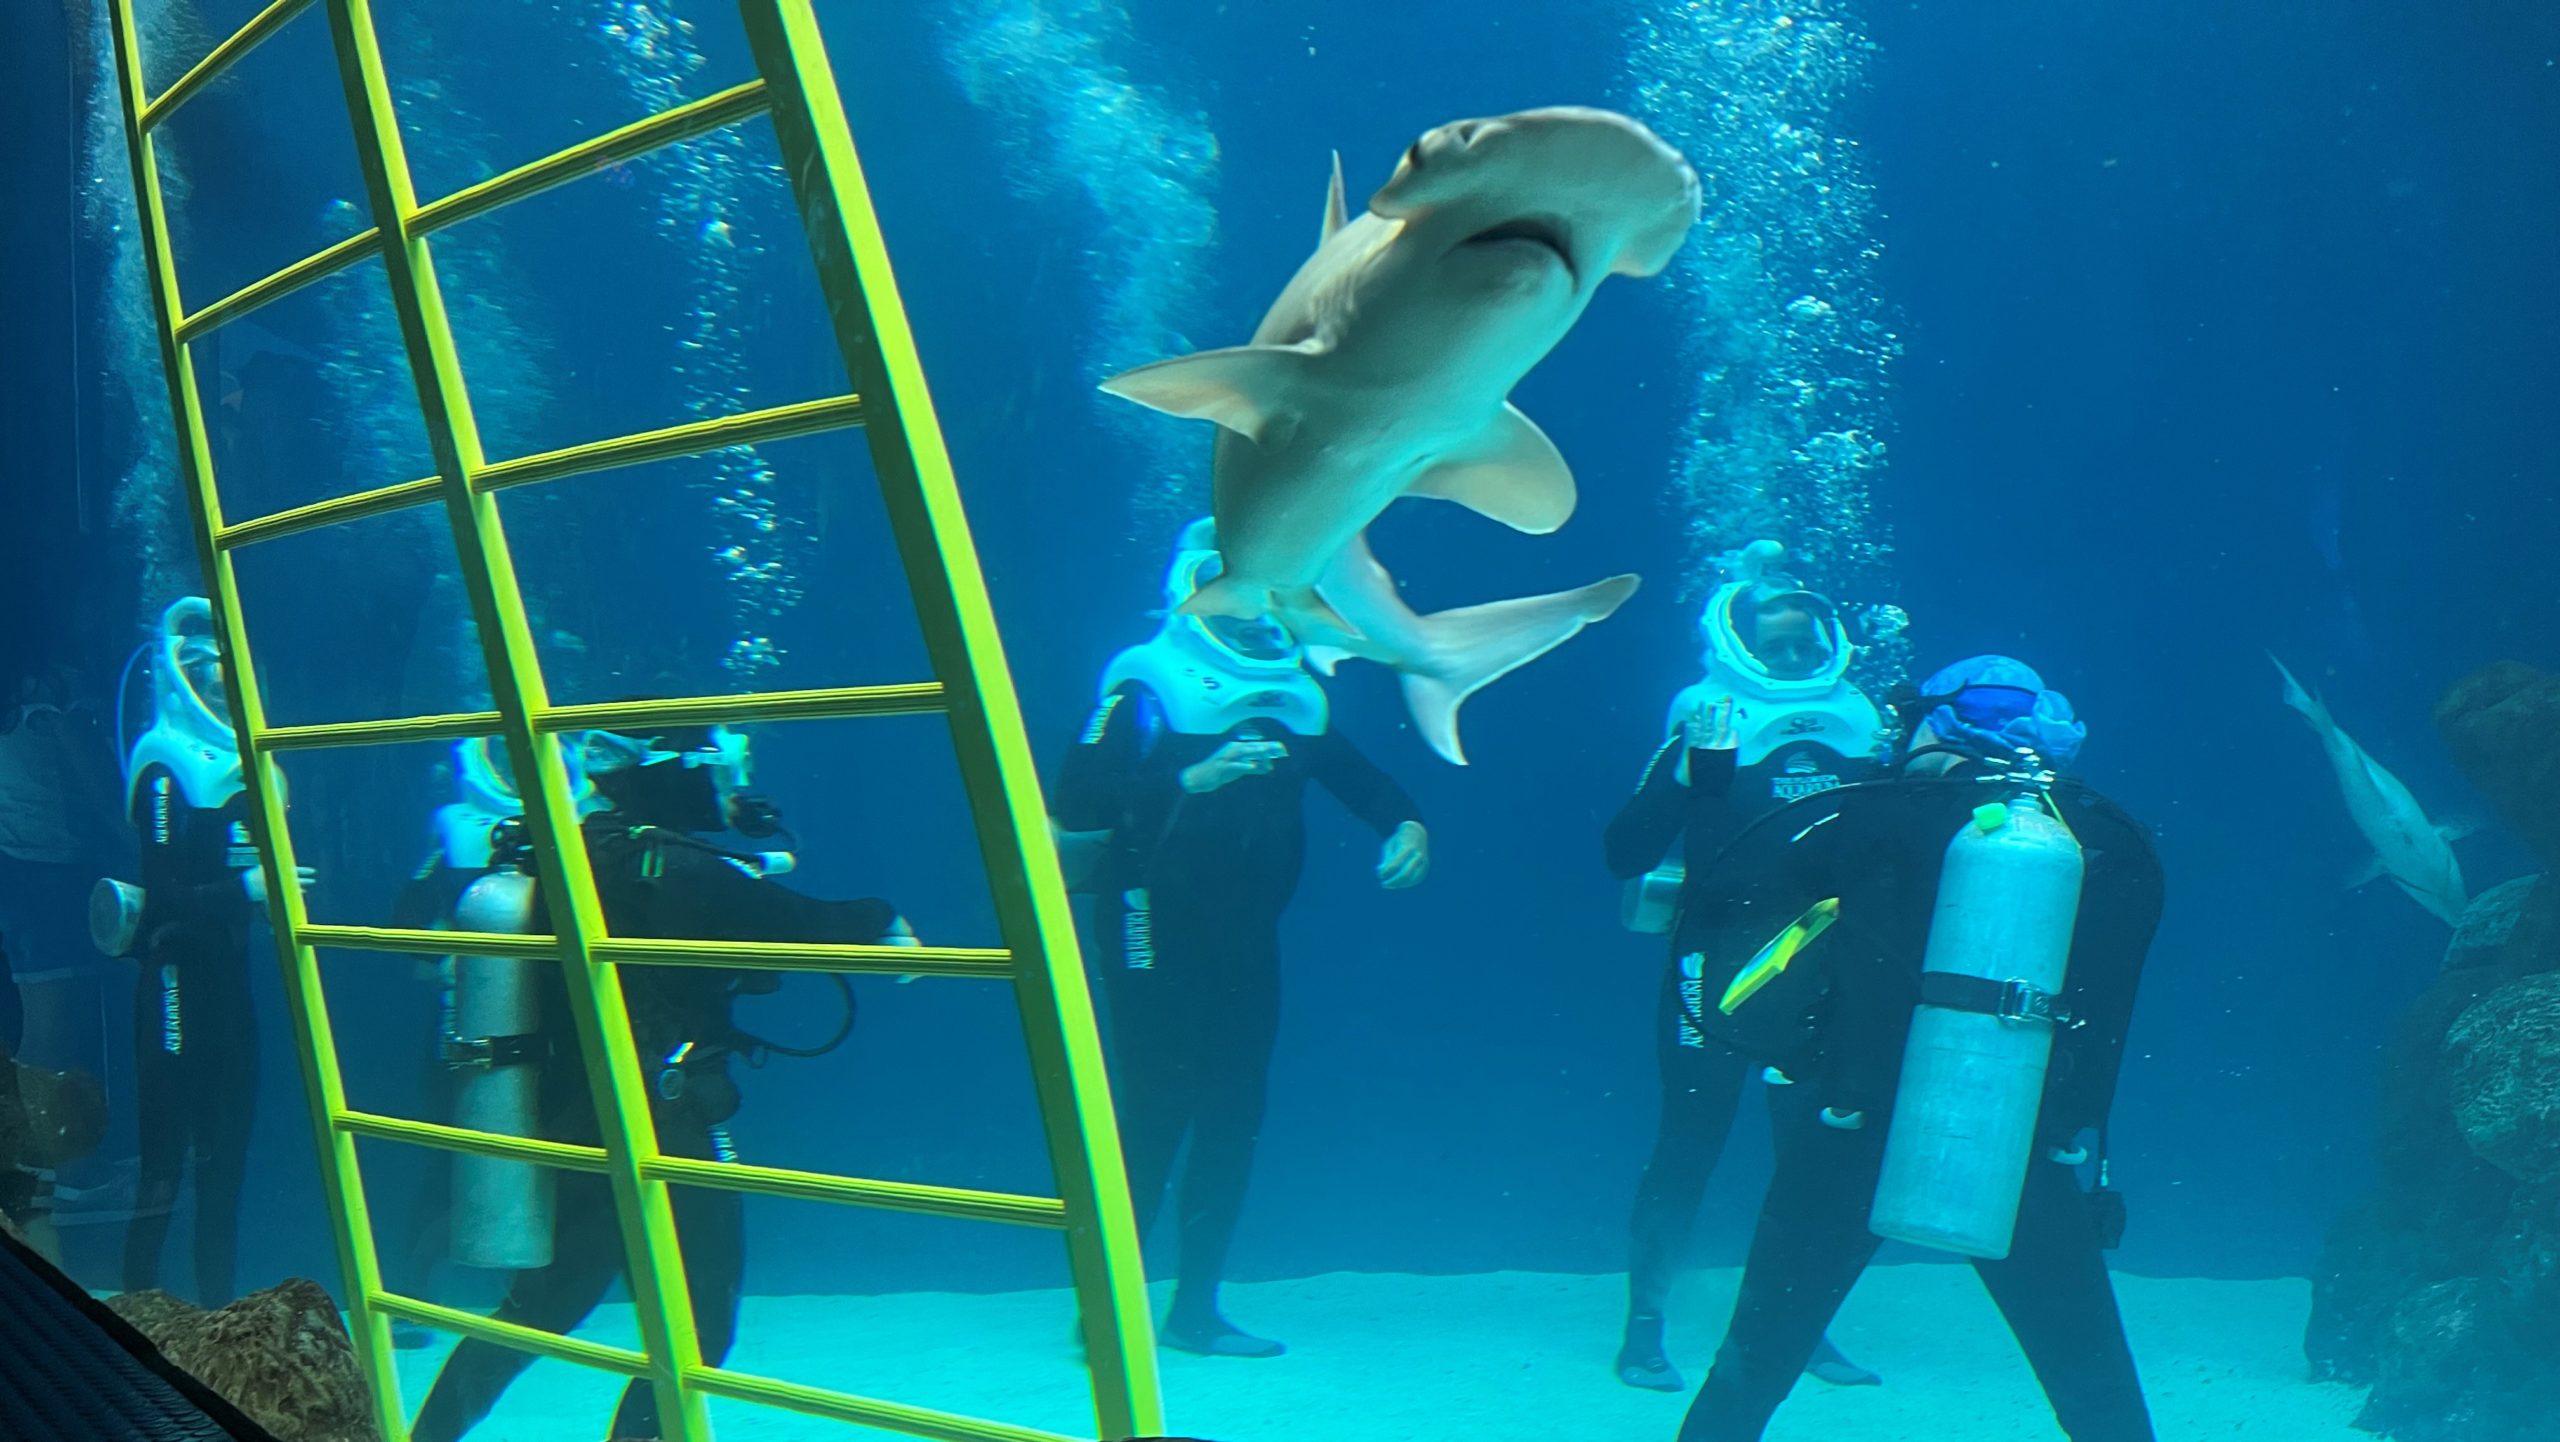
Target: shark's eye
(1413,156)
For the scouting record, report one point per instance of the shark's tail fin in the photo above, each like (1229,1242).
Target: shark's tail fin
(2313,709)
(1467,649)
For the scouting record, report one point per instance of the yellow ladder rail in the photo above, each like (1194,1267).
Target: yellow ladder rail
(351,1224)
(972,690)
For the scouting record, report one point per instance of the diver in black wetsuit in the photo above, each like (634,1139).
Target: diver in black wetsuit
(1196,762)
(1836,1023)
(195,1031)
(1774,720)
(656,879)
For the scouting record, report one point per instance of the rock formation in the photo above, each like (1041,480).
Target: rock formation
(2441,1289)
(281,1355)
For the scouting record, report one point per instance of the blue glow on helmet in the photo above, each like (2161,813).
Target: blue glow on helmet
(1259,646)
(2047,726)
(486,777)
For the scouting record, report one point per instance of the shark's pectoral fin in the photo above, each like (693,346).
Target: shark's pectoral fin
(1337,211)
(2372,869)
(1226,596)
(1470,648)
(1246,388)
(1512,473)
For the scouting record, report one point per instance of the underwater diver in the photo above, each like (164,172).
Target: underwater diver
(1774,720)
(1875,1044)
(466,832)
(663,792)
(195,1030)
(1196,763)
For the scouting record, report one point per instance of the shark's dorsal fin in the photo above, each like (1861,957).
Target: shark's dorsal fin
(1336,212)
(1511,473)
(1245,388)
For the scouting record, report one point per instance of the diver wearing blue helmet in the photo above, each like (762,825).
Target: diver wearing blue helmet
(1774,719)
(1950,1015)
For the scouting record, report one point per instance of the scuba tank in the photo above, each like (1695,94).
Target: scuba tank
(1973,1072)
(115,916)
(501,1207)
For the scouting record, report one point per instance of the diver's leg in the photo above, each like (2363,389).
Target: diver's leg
(1233,1038)
(586,1256)
(2060,1303)
(224,1079)
(1152,1015)
(711,1229)
(1811,1244)
(1702,1084)
(160,1102)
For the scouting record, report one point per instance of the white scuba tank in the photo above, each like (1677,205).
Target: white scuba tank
(501,1208)
(1973,1072)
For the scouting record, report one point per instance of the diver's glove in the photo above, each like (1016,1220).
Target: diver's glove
(1405,858)
(1709,728)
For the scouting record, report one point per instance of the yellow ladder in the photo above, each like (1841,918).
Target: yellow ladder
(973,689)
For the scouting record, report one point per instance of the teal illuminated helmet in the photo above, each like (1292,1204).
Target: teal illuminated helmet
(1258,645)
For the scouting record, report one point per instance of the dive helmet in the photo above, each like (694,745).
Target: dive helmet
(1213,673)
(190,731)
(1751,633)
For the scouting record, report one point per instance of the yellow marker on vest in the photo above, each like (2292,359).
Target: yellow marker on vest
(1782,948)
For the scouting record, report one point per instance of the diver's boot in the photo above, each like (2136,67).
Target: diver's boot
(1204,1331)
(1641,1362)
(1830,1366)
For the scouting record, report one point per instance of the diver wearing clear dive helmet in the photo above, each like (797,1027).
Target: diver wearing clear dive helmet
(1774,719)
(663,793)
(1196,764)
(1949,1006)
(195,1029)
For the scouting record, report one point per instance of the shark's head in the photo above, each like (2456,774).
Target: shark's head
(1599,192)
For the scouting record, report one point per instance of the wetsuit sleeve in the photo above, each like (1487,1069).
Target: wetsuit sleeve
(175,879)
(1356,782)
(708,899)
(1100,777)
(2120,908)
(1640,835)
(430,893)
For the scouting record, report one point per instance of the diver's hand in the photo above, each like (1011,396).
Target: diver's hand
(1405,858)
(1709,728)
(1232,762)
(253,880)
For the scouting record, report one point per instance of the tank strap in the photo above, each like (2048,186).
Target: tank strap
(482,1053)
(2011,1000)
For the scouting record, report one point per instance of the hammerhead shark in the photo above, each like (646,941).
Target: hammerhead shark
(1384,369)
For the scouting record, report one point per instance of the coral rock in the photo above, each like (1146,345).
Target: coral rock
(281,1355)
(2503,1074)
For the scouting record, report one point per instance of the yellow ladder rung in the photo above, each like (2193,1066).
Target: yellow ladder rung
(453,726)
(567,1156)
(987,962)
(693,438)
(243,40)
(309,270)
(667,127)
(862,1411)
(407,942)
(507,1334)
(322,514)
(960,1203)
(905,698)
